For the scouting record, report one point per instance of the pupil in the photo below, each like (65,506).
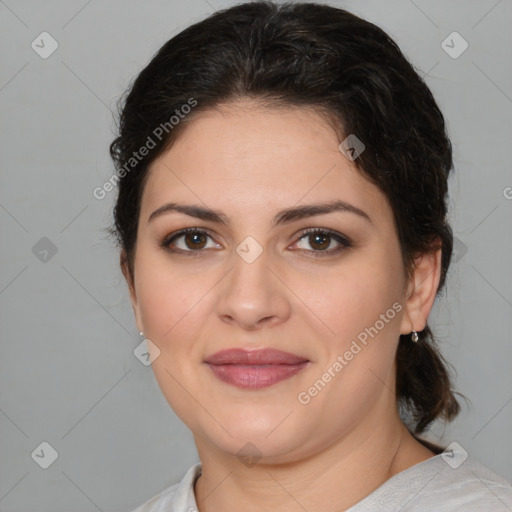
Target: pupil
(317,237)
(195,237)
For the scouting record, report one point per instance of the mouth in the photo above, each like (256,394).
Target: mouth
(255,369)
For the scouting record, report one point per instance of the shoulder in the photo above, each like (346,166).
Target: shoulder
(472,486)
(448,482)
(178,497)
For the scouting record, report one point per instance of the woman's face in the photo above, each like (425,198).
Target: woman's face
(253,283)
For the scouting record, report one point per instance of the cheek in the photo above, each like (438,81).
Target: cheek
(351,299)
(170,306)
(168,297)
(175,306)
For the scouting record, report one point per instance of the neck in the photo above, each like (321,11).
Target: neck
(330,480)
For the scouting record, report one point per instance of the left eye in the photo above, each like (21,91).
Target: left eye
(321,240)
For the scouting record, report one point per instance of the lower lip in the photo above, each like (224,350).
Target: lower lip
(255,377)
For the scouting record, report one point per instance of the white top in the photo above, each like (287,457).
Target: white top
(448,482)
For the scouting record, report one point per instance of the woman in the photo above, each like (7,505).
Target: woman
(282,223)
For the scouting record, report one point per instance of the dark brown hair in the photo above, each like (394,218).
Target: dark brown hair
(350,71)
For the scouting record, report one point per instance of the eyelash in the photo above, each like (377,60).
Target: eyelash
(344,242)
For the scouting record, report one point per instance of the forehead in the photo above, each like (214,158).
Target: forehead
(252,157)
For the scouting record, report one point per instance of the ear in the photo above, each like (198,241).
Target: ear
(123,262)
(421,291)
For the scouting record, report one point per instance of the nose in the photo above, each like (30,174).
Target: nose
(252,295)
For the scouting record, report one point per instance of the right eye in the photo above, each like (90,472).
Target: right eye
(193,240)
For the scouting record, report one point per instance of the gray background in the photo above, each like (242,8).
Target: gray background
(68,373)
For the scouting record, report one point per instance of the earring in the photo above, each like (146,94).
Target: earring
(141,333)
(414,336)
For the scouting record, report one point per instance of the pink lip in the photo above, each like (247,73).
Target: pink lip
(254,369)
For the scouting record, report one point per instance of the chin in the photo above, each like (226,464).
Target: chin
(270,439)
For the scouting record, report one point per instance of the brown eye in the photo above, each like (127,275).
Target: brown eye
(196,240)
(188,240)
(321,239)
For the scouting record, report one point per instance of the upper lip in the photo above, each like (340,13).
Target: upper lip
(254,357)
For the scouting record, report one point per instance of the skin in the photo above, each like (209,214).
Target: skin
(250,162)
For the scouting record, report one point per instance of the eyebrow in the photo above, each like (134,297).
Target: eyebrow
(283,217)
